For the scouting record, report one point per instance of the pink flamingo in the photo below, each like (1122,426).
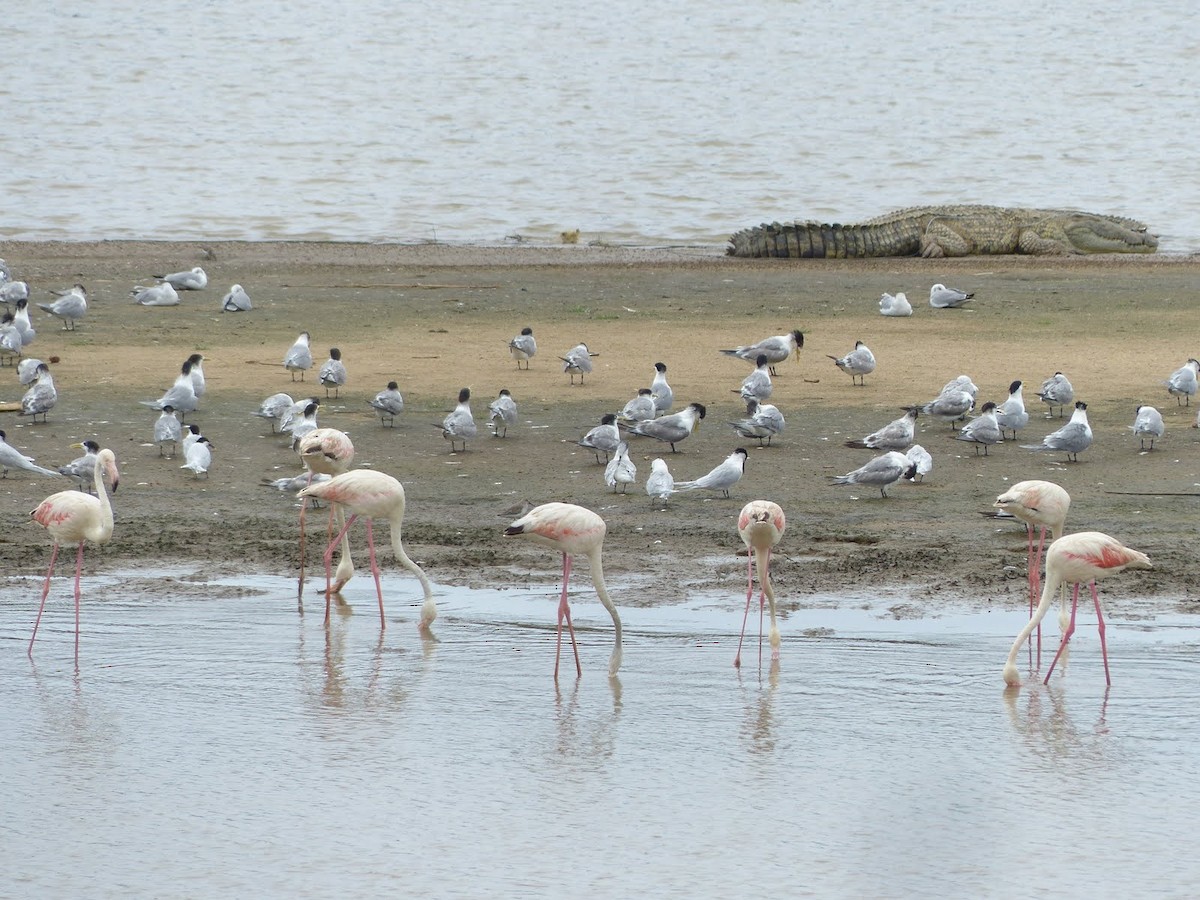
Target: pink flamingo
(376,496)
(76,517)
(761,525)
(1077,558)
(1040,504)
(327,451)
(571,529)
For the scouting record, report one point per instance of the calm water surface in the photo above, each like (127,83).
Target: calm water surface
(226,745)
(635,122)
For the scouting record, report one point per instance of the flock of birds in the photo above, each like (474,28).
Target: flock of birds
(79,516)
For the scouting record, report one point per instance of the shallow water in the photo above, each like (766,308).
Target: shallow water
(635,122)
(215,742)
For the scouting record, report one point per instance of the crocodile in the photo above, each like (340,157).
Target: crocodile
(940,231)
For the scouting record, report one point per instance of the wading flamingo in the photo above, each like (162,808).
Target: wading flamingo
(571,529)
(1077,558)
(75,517)
(327,451)
(373,495)
(761,525)
(1041,505)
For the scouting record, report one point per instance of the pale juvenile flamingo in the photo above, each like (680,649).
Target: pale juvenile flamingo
(571,529)
(1041,505)
(1077,558)
(75,517)
(327,451)
(761,525)
(374,495)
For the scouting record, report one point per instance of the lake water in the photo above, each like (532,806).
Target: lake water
(215,743)
(635,122)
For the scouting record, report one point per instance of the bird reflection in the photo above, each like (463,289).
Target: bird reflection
(759,725)
(1044,722)
(593,738)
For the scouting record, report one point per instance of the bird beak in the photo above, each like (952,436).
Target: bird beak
(77,446)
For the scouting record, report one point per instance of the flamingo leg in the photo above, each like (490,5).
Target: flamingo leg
(564,612)
(1037,582)
(375,571)
(1101,629)
(45,593)
(78,572)
(300,584)
(764,576)
(737,660)
(329,592)
(1066,634)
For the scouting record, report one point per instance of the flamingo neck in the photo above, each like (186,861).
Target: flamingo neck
(105,530)
(614,662)
(396,521)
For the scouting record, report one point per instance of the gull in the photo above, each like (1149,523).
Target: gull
(299,357)
(167,430)
(199,385)
(41,396)
(11,458)
(661,391)
(161,294)
(10,338)
(949,406)
(942,297)
(82,468)
(193,279)
(881,471)
(620,469)
(1182,382)
(198,456)
(660,483)
(722,477)
(237,300)
(895,435)
(673,428)
(523,347)
(961,383)
(757,385)
(12,291)
(777,349)
(460,424)
(1011,414)
(983,430)
(504,409)
(920,457)
(858,363)
(1147,423)
(639,409)
(297,482)
(1057,391)
(24,326)
(71,306)
(274,407)
(1074,437)
(389,403)
(894,305)
(604,438)
(332,373)
(763,421)
(181,395)
(578,361)
(5,272)
(27,369)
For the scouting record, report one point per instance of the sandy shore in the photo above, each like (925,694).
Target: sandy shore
(435,318)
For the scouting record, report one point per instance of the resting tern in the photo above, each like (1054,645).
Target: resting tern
(1182,382)
(198,456)
(1147,423)
(332,373)
(161,294)
(763,421)
(983,430)
(757,385)
(523,347)
(502,412)
(577,361)
(1073,438)
(920,457)
(660,483)
(604,438)
(895,435)
(167,430)
(27,369)
(949,406)
(12,291)
(639,409)
(942,297)
(1057,391)
(299,357)
(389,403)
(460,424)
(620,469)
(673,428)
(192,280)
(41,396)
(894,305)
(881,472)
(237,300)
(721,478)
(777,349)
(274,407)
(71,306)
(858,363)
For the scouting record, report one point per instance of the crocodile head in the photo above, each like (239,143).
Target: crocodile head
(1086,233)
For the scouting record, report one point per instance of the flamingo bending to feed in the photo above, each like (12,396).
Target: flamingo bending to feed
(761,525)
(373,495)
(327,451)
(571,529)
(1077,558)
(75,517)
(1040,504)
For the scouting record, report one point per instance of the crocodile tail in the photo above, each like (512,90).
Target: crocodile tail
(816,240)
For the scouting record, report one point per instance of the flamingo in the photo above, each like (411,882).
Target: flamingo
(374,495)
(1040,504)
(571,529)
(761,525)
(1077,558)
(72,516)
(327,451)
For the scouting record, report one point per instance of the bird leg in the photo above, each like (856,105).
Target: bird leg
(375,571)
(737,659)
(764,579)
(45,593)
(78,572)
(1100,628)
(300,583)
(329,591)
(564,612)
(1066,634)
